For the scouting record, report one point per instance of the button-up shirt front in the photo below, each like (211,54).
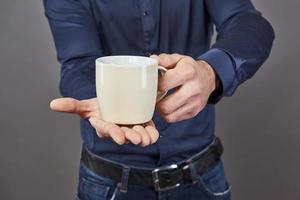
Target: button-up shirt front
(84,30)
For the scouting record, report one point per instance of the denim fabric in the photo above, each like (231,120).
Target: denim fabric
(212,185)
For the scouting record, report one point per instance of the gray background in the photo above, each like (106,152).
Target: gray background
(39,149)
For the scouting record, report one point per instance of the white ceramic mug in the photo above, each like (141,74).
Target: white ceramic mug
(127,88)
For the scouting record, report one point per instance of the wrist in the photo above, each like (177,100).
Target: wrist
(212,76)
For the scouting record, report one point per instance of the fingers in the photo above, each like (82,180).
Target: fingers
(153,133)
(64,105)
(182,70)
(167,60)
(137,135)
(107,129)
(132,135)
(145,136)
(177,76)
(174,101)
(88,108)
(71,105)
(117,134)
(187,111)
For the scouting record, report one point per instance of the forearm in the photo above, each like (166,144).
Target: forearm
(244,42)
(77,42)
(78,78)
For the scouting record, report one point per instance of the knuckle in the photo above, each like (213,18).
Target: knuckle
(191,60)
(188,59)
(191,71)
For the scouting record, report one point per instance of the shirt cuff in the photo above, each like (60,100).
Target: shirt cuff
(223,65)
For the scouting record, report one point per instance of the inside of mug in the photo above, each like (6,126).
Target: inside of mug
(127,60)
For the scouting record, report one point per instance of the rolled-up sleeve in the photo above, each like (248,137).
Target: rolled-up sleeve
(243,43)
(77,44)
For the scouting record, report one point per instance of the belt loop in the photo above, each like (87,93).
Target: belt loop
(193,170)
(122,186)
(124,180)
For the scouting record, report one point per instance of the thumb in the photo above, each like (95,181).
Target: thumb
(69,105)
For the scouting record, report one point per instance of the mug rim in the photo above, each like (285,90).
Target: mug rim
(138,59)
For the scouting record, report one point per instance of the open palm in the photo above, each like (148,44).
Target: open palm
(143,135)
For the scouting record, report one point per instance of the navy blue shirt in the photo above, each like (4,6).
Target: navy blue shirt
(84,30)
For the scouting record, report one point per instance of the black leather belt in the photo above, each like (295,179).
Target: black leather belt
(161,178)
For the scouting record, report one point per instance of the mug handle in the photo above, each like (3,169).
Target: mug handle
(161,95)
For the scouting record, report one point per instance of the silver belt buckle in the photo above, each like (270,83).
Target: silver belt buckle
(155,177)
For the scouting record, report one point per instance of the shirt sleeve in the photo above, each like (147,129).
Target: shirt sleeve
(77,44)
(243,43)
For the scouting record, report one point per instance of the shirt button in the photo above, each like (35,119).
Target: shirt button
(146,13)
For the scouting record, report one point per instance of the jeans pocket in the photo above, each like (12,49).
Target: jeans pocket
(92,186)
(93,191)
(214,183)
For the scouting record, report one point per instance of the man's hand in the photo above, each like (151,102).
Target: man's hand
(194,80)
(89,109)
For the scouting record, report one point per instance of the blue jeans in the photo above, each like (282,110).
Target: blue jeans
(212,185)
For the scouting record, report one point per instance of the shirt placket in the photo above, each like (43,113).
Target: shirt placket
(148,25)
